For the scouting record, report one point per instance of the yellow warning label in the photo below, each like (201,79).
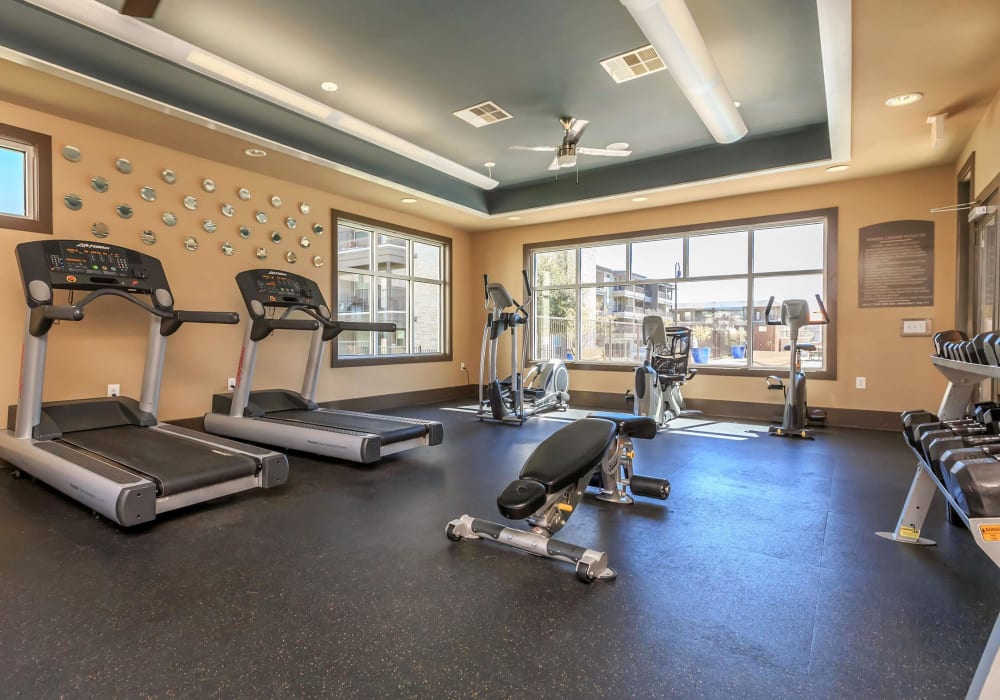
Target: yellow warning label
(990,533)
(912,533)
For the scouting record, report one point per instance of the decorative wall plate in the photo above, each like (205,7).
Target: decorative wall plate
(169,218)
(261,253)
(317,261)
(291,257)
(275,237)
(227,210)
(227,248)
(243,193)
(190,202)
(191,243)
(169,176)
(244,232)
(72,154)
(261,217)
(99,184)
(148,193)
(318,229)
(148,237)
(209,226)
(124,165)
(290,222)
(304,208)
(124,211)
(275,201)
(208,185)
(73,202)
(305,242)
(100,230)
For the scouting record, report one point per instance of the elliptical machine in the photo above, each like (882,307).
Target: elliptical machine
(545,386)
(659,379)
(797,415)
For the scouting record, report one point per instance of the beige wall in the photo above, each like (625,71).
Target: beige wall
(985,142)
(898,373)
(108,346)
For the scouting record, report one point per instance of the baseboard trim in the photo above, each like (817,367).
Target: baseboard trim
(749,410)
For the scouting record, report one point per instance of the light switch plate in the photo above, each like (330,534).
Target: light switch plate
(916,326)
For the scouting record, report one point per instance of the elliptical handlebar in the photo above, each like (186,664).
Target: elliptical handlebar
(486,290)
(767,314)
(822,312)
(527,286)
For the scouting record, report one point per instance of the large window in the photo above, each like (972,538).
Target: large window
(591,297)
(388,275)
(25,180)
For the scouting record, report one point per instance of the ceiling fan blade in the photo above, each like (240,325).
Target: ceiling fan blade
(140,8)
(602,152)
(545,149)
(576,128)
(554,165)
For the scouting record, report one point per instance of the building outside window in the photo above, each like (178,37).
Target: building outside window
(591,298)
(386,275)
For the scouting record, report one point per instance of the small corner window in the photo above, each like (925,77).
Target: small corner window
(386,274)
(25,180)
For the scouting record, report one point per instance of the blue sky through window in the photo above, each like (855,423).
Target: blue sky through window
(12,200)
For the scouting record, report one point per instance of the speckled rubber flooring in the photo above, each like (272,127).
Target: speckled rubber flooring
(760,578)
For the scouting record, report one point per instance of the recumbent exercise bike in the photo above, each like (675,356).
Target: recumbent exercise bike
(659,379)
(594,451)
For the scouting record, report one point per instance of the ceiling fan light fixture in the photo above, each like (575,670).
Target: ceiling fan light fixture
(328,86)
(671,30)
(566,161)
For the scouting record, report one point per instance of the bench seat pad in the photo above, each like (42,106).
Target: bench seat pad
(642,427)
(569,453)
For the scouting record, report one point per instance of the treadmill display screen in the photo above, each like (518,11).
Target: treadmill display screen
(90,259)
(278,284)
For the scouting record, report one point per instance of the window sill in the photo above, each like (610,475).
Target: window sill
(388,360)
(709,370)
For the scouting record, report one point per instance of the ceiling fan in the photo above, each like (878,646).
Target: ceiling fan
(140,8)
(567,152)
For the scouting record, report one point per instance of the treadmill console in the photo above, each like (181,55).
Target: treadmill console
(87,266)
(279,289)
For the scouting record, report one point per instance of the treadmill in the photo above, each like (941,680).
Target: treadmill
(112,454)
(292,419)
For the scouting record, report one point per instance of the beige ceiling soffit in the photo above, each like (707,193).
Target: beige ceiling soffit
(836,50)
(106,20)
(671,30)
(164,108)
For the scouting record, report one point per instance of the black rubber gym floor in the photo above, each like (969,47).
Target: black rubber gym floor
(760,578)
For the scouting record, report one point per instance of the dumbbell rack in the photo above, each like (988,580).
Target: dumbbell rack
(963,378)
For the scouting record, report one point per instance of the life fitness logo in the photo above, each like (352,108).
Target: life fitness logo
(93,246)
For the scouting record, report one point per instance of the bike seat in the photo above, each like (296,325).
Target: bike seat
(569,453)
(628,424)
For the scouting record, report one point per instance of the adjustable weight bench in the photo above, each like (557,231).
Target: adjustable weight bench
(597,451)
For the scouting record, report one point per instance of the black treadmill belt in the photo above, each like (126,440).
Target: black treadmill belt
(388,430)
(174,463)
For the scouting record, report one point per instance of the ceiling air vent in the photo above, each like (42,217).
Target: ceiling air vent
(633,64)
(483,114)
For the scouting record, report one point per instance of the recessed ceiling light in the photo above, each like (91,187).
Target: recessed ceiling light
(490,164)
(328,86)
(255,152)
(408,200)
(618,146)
(904,99)
(513,218)
(837,168)
(640,199)
(737,104)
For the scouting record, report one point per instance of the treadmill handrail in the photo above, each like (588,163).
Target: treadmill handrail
(260,328)
(332,327)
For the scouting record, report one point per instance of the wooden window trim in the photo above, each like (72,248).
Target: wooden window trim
(42,143)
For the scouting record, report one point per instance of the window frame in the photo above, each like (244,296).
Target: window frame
(336,360)
(38,180)
(686,232)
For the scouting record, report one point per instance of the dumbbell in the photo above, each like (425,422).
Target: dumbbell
(989,348)
(970,430)
(953,443)
(977,349)
(942,337)
(917,423)
(911,419)
(971,476)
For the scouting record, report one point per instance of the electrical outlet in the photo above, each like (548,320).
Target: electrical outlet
(114,389)
(462,366)
(859,382)
(231,383)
